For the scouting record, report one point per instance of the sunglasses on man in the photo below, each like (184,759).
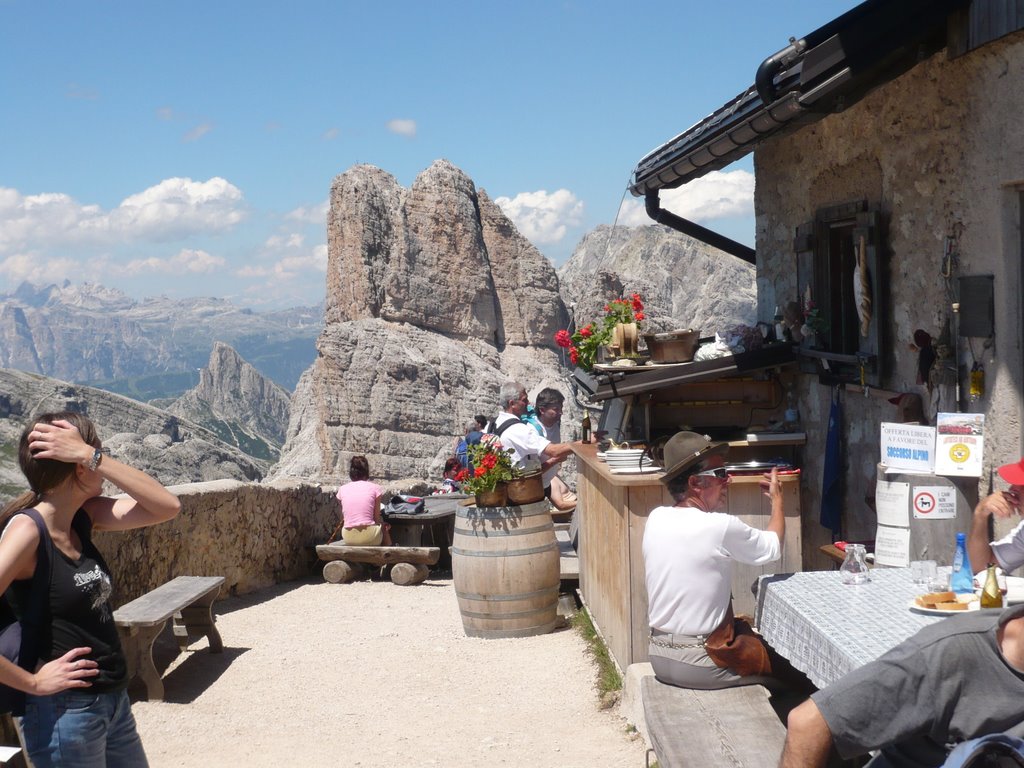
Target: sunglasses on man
(720,472)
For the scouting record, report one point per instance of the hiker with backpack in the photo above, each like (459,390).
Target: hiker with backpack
(71,665)
(955,680)
(474,431)
(529,448)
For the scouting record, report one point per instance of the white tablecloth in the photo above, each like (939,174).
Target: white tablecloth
(827,629)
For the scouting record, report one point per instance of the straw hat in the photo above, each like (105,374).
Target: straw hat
(684,449)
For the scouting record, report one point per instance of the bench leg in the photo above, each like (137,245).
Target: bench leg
(407,574)
(340,572)
(138,650)
(197,620)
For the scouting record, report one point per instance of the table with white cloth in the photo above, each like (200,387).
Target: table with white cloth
(827,629)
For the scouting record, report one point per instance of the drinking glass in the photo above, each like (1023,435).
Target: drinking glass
(923,572)
(940,581)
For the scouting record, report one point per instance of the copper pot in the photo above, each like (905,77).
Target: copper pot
(527,489)
(494,498)
(673,346)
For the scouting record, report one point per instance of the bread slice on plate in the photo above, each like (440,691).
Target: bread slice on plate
(932,599)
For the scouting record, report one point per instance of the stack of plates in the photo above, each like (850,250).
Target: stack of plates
(630,461)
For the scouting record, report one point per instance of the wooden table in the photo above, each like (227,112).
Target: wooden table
(827,629)
(434,527)
(613,511)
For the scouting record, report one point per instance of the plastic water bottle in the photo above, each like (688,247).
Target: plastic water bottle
(961,580)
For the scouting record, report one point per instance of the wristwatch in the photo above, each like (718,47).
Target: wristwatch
(94,462)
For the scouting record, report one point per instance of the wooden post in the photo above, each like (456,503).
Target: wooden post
(340,572)
(407,574)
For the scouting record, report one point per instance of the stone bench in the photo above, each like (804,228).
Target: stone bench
(189,600)
(345,563)
(733,726)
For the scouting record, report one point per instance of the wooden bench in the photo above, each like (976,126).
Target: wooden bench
(189,599)
(733,726)
(345,563)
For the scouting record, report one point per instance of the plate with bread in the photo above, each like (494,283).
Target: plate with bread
(944,603)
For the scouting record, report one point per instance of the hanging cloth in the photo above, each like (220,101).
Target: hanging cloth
(831,496)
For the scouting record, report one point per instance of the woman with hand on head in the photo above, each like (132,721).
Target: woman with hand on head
(76,708)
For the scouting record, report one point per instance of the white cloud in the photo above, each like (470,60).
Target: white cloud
(330,134)
(198,132)
(717,195)
(543,217)
(41,271)
(314,214)
(187,260)
(405,128)
(165,114)
(173,209)
(82,92)
(292,259)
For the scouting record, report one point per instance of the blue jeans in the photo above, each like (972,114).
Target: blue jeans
(82,729)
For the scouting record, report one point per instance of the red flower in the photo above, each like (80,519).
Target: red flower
(587,331)
(637,304)
(479,472)
(639,315)
(607,307)
(563,339)
(462,475)
(574,355)
(489,461)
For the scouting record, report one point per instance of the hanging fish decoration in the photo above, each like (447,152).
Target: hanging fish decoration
(862,288)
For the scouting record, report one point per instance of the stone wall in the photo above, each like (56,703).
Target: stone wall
(941,151)
(254,535)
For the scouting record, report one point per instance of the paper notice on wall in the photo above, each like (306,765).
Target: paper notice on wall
(959,444)
(908,446)
(892,503)
(892,546)
(934,502)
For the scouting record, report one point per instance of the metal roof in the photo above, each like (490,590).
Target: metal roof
(826,71)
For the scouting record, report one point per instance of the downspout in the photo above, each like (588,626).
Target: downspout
(764,78)
(696,231)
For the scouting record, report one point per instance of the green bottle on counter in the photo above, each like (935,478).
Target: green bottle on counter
(585,428)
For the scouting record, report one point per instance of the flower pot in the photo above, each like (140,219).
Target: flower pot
(496,498)
(526,490)
(624,340)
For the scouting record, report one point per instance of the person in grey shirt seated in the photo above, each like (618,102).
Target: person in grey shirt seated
(955,680)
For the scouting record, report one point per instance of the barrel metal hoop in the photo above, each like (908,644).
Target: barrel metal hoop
(502,532)
(506,553)
(506,616)
(505,598)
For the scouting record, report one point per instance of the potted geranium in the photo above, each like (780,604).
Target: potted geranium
(492,470)
(583,345)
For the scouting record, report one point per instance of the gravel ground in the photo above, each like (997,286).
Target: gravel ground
(371,674)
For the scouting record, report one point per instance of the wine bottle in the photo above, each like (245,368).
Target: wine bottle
(991,596)
(962,579)
(585,428)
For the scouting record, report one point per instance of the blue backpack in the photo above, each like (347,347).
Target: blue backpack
(997,750)
(462,453)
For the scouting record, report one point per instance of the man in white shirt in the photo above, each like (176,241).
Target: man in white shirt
(529,448)
(1007,552)
(689,549)
(548,404)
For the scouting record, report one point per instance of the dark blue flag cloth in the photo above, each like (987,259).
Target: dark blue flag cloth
(831,497)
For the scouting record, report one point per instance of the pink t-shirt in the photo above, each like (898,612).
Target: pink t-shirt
(358,500)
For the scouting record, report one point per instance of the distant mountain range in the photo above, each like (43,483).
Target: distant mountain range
(149,350)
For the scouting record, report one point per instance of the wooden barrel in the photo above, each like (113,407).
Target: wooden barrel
(506,568)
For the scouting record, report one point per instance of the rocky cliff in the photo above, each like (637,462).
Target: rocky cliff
(433,299)
(173,449)
(684,283)
(235,401)
(91,334)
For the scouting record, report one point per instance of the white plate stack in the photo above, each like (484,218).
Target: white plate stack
(630,461)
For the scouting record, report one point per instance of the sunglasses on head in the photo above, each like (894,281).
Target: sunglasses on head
(720,472)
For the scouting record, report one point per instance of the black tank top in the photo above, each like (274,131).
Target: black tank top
(80,612)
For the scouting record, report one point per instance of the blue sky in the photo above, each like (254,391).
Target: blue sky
(188,148)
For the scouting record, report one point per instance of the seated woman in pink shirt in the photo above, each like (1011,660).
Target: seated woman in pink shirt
(359,505)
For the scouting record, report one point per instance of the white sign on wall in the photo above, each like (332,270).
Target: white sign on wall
(934,502)
(959,444)
(892,546)
(908,446)
(892,502)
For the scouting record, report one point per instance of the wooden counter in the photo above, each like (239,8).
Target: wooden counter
(613,512)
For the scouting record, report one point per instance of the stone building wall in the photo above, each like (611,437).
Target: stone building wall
(941,151)
(252,534)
